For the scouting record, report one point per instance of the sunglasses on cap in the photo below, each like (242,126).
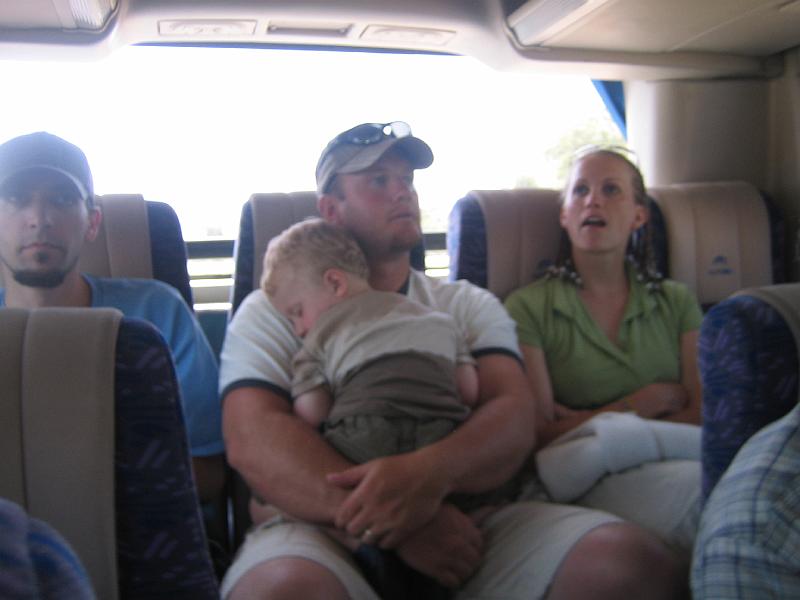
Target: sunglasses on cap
(372,133)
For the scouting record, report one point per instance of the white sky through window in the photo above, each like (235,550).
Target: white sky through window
(204,128)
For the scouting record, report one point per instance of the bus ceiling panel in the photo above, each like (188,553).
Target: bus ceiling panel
(635,66)
(448,26)
(746,27)
(619,39)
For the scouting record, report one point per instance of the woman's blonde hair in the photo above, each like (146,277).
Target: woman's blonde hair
(315,245)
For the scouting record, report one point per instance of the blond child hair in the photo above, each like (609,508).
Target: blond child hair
(315,245)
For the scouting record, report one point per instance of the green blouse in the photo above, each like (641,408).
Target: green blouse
(586,369)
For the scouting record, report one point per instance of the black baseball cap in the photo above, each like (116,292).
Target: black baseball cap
(42,150)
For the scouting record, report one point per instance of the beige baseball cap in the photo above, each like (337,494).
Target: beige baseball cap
(362,146)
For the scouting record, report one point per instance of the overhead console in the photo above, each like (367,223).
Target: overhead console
(676,39)
(605,39)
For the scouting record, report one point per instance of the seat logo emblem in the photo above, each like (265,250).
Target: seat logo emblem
(719,266)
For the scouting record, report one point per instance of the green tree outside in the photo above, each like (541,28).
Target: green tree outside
(594,131)
(601,132)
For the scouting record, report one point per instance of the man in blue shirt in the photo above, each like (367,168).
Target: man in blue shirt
(47,214)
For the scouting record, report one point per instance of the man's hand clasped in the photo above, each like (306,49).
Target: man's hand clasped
(391,498)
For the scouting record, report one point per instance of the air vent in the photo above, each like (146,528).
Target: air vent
(84,14)
(407,35)
(91,14)
(309,28)
(195,28)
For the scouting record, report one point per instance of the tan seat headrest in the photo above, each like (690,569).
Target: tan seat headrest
(122,246)
(272,213)
(57,427)
(522,235)
(718,235)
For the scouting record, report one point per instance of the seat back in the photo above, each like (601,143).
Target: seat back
(503,239)
(58,427)
(137,238)
(719,237)
(715,237)
(94,443)
(124,228)
(748,361)
(263,217)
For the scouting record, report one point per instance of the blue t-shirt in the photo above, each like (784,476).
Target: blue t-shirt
(195,364)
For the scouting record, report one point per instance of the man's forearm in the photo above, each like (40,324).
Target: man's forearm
(281,458)
(487,449)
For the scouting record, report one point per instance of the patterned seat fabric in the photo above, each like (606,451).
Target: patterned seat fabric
(466,242)
(658,237)
(161,547)
(244,256)
(748,364)
(168,249)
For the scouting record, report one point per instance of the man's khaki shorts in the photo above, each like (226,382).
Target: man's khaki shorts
(525,543)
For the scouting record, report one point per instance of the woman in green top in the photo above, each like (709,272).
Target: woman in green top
(603,332)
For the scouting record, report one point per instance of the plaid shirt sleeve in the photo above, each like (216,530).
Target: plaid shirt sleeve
(748,545)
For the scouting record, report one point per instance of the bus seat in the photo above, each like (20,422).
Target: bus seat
(748,361)
(94,444)
(263,217)
(137,238)
(719,237)
(143,238)
(503,239)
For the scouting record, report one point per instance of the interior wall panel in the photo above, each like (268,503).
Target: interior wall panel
(688,131)
(784,155)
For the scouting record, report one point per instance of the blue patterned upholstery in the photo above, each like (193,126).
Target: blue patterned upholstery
(244,256)
(658,237)
(466,242)
(168,248)
(161,543)
(748,365)
(777,236)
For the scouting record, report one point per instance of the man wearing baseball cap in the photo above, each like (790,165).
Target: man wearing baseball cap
(524,550)
(359,148)
(47,215)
